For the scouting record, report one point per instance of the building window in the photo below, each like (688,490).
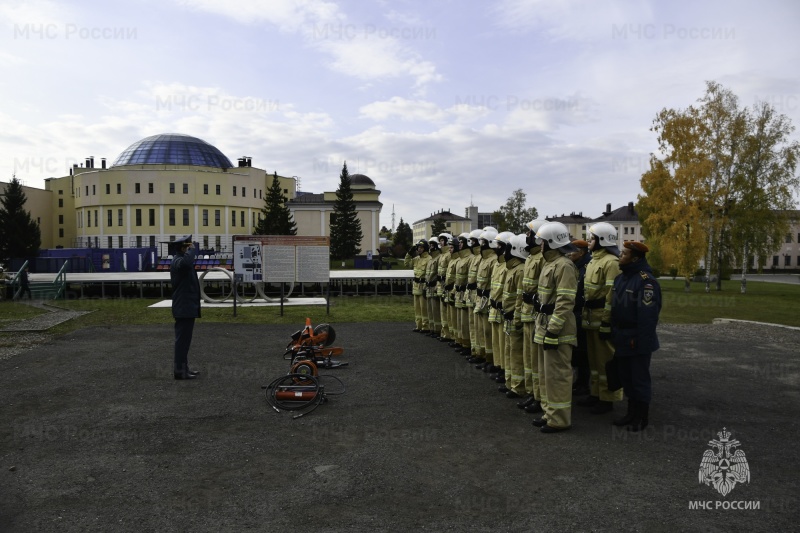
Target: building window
(150,188)
(259,193)
(234,190)
(774,260)
(172,188)
(119,191)
(60,191)
(138,217)
(241,218)
(788,238)
(787,260)
(60,202)
(61,232)
(185,217)
(216,217)
(94,189)
(233,218)
(119,218)
(110,241)
(254,193)
(152,216)
(88,219)
(120,242)
(110,214)
(244,189)
(219,190)
(138,241)
(152,241)
(217,242)
(205,188)
(137,188)
(60,219)
(626,230)
(87,193)
(108,191)
(205,242)
(205,217)
(185,188)
(172,219)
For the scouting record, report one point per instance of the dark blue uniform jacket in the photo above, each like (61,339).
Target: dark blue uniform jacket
(185,285)
(635,306)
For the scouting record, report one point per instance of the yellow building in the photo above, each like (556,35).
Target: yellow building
(456,225)
(173,184)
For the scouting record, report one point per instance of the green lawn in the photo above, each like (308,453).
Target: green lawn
(764,302)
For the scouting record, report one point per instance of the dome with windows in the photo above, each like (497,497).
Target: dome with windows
(360,181)
(172,149)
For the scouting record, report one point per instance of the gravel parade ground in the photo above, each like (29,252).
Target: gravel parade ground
(97,436)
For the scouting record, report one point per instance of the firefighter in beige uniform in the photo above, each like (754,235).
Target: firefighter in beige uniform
(462,266)
(431,280)
(419,263)
(556,329)
(442,264)
(450,293)
(471,292)
(597,284)
(483,279)
(499,271)
(515,372)
(530,282)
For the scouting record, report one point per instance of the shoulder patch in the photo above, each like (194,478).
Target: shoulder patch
(643,274)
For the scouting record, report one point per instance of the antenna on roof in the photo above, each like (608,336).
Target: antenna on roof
(392,219)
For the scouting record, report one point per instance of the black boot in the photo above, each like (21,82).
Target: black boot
(628,418)
(641,419)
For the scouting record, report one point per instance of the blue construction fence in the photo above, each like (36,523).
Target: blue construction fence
(92,260)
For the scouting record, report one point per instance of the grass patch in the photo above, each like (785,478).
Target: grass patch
(775,303)
(764,302)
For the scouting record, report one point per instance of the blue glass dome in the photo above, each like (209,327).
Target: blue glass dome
(172,149)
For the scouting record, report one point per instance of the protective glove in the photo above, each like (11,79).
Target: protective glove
(509,315)
(550,341)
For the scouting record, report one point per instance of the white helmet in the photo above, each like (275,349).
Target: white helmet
(518,246)
(534,226)
(445,236)
(434,243)
(556,235)
(475,234)
(606,233)
(488,234)
(503,236)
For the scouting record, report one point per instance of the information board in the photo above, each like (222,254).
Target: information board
(283,258)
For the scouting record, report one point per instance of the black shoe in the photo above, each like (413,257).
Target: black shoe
(193,372)
(425,331)
(512,395)
(551,429)
(503,389)
(454,344)
(533,408)
(629,416)
(526,402)
(416,330)
(641,417)
(478,361)
(465,351)
(589,401)
(482,366)
(539,422)
(185,376)
(445,339)
(500,379)
(602,407)
(580,390)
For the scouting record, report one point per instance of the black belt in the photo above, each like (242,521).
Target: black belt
(595,304)
(483,292)
(472,286)
(527,297)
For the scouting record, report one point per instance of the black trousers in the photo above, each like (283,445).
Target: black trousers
(634,372)
(183,339)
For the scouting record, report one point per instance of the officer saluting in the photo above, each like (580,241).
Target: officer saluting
(635,306)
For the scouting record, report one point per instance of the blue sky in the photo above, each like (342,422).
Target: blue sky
(441,103)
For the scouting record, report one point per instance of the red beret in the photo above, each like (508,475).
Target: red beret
(636,245)
(580,243)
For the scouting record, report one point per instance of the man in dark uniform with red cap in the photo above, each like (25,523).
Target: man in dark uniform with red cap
(635,306)
(185,302)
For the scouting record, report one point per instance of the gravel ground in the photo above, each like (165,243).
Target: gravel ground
(99,437)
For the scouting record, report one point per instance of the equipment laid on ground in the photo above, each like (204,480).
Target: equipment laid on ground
(302,389)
